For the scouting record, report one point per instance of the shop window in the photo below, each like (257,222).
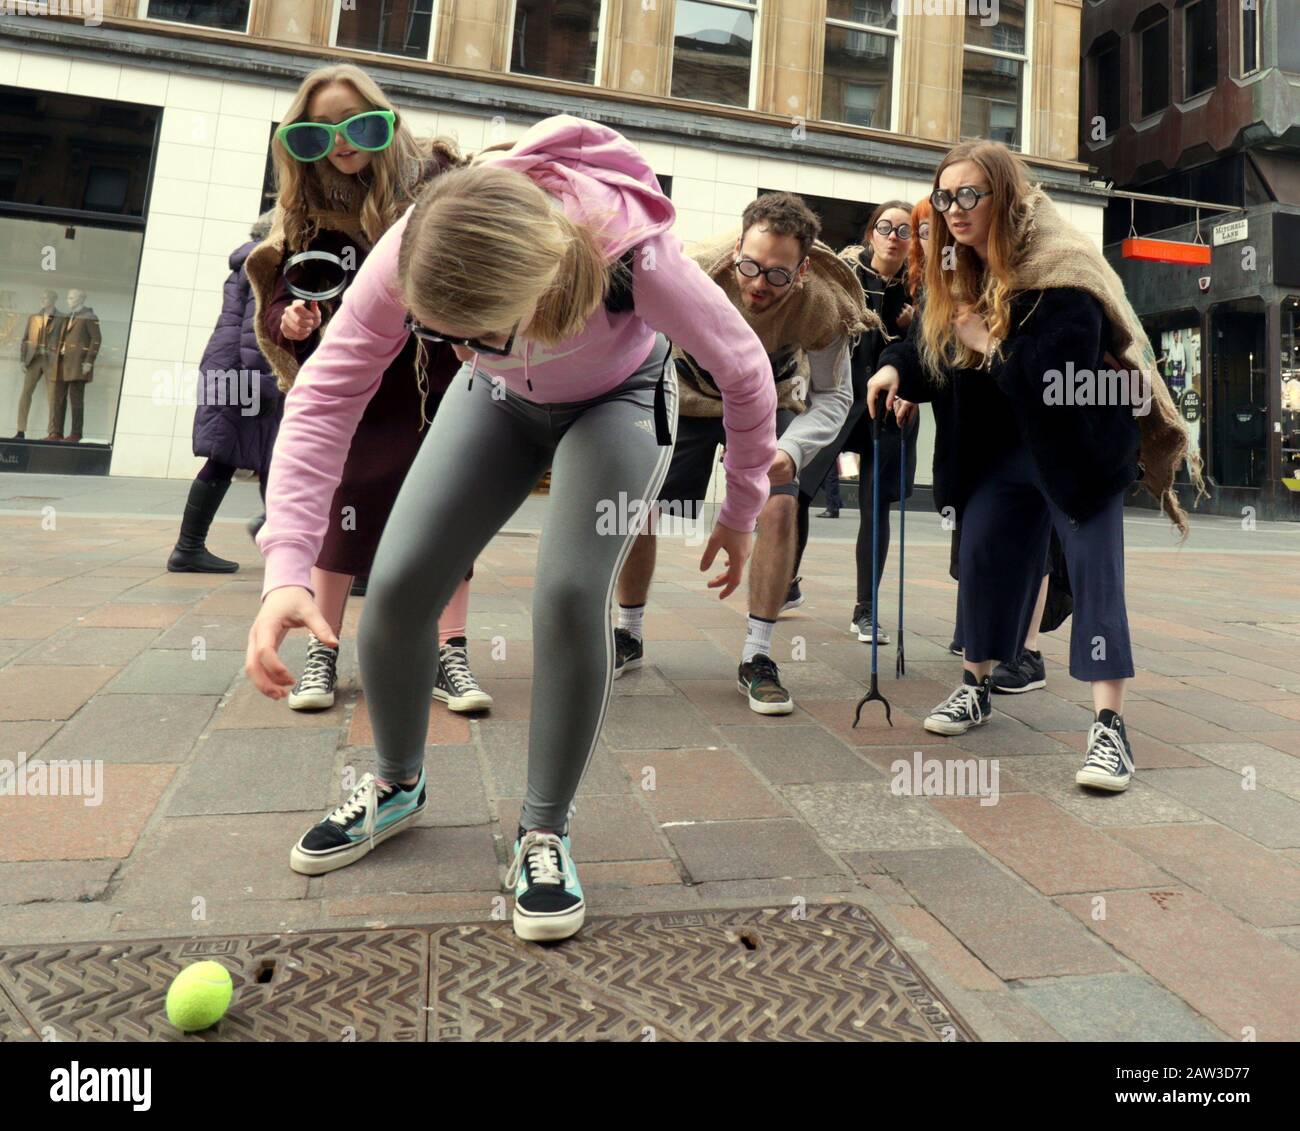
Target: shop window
(224,15)
(1291,389)
(858,63)
(993,75)
(556,39)
(713,51)
(1180,365)
(393,27)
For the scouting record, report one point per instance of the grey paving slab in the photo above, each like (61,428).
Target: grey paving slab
(258,771)
(1013,930)
(1003,736)
(689,659)
(798,754)
(869,817)
(98,646)
(422,860)
(218,633)
(1271,768)
(55,881)
(734,850)
(505,745)
(28,737)
(1224,711)
(1044,711)
(1052,776)
(1115,1008)
(175,672)
(1270,818)
(134,728)
(643,724)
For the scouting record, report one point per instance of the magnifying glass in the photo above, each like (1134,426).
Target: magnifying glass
(315,276)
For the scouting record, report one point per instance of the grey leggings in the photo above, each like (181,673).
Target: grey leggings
(485,451)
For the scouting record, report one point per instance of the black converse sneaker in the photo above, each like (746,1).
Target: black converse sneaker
(1027,674)
(760,682)
(315,690)
(794,598)
(370,815)
(966,707)
(456,685)
(548,897)
(628,651)
(955,648)
(862,625)
(1109,762)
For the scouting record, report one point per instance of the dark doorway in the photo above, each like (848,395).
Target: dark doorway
(1239,405)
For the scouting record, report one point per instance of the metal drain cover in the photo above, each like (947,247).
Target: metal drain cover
(763,974)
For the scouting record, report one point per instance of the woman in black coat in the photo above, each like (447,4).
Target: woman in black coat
(237,417)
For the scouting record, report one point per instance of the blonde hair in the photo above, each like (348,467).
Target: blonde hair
(391,179)
(485,245)
(986,287)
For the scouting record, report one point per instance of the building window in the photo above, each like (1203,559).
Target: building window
(1200,53)
(224,15)
(1155,68)
(858,64)
(1107,82)
(713,51)
(993,75)
(1250,36)
(556,39)
(393,27)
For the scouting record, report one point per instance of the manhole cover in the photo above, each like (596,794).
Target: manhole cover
(725,975)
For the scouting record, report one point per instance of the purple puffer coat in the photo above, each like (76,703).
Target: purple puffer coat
(222,431)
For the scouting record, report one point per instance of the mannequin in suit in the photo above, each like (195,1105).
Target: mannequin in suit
(78,345)
(39,355)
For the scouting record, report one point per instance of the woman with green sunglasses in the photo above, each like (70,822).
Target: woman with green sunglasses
(347,169)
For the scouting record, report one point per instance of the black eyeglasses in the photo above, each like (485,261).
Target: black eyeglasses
(777,276)
(884,227)
(967,198)
(474,344)
(923,230)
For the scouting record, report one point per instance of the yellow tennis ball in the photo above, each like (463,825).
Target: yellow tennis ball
(199,996)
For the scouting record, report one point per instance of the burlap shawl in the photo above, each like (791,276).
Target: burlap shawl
(1053,253)
(826,304)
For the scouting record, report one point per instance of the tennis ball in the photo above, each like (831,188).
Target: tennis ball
(199,996)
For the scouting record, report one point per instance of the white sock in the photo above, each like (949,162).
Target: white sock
(758,638)
(630,617)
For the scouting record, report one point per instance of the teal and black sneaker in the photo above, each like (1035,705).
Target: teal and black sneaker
(367,818)
(548,897)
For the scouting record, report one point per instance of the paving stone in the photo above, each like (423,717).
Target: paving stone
(246,708)
(644,681)
(445,727)
(505,746)
(1224,712)
(870,817)
(1272,769)
(254,771)
(1013,930)
(91,646)
(798,754)
(958,963)
(30,624)
(1238,978)
(643,724)
(1142,803)
(1255,883)
(604,829)
(734,850)
(700,785)
(1270,818)
(226,860)
(10,649)
(169,672)
(720,702)
(689,659)
(422,860)
(134,728)
(1046,846)
(1116,1008)
(28,737)
(1150,753)
(101,821)
(116,614)
(1285,740)
(872,729)
(157,593)
(1235,687)
(1044,712)
(55,881)
(218,633)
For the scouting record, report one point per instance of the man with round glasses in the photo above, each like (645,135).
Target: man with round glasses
(806,308)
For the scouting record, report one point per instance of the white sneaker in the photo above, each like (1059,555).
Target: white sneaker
(315,690)
(456,685)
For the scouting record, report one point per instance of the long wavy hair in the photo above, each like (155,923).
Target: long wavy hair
(955,274)
(922,213)
(485,245)
(389,182)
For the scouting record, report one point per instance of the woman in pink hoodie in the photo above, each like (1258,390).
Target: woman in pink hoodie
(552,270)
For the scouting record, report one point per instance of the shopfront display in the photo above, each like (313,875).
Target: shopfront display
(1180,351)
(1290,405)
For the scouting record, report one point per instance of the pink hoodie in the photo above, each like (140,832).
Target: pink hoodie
(601,180)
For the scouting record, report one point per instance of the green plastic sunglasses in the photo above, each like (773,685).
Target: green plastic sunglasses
(310,141)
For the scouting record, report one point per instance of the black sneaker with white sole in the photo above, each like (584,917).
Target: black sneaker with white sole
(456,685)
(862,625)
(760,682)
(793,598)
(371,814)
(1028,673)
(955,648)
(315,690)
(628,651)
(549,904)
(969,706)
(1108,764)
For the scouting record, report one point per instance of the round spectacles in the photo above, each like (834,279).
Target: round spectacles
(414,327)
(777,276)
(310,141)
(884,228)
(967,198)
(923,230)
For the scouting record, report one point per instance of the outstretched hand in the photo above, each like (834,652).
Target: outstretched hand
(736,544)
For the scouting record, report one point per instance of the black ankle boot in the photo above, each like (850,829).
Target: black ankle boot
(190,554)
